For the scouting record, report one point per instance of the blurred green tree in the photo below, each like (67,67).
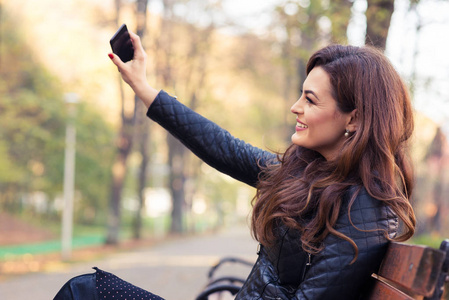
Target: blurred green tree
(378,18)
(32,133)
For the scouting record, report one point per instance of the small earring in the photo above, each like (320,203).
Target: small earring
(346,132)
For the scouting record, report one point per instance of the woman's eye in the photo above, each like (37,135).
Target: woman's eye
(307,98)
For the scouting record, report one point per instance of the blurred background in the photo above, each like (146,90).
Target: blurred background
(80,165)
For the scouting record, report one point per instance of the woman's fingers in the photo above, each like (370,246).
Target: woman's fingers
(116,60)
(137,44)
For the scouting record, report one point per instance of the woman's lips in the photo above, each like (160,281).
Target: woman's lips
(300,126)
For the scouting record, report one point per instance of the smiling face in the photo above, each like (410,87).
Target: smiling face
(320,124)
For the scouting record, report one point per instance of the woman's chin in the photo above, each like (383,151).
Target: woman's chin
(296,139)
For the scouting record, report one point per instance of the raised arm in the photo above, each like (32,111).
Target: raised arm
(214,145)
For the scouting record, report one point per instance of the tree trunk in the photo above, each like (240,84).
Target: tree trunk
(119,166)
(142,140)
(118,179)
(436,154)
(192,80)
(175,148)
(142,131)
(378,17)
(176,153)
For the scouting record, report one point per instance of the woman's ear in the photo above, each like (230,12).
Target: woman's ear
(353,121)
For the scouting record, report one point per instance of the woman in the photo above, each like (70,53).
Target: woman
(325,209)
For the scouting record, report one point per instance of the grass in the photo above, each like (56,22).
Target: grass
(432,240)
(7,252)
(83,236)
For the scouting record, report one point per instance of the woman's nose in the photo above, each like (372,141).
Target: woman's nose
(297,107)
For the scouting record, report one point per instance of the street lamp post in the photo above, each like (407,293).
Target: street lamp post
(71,99)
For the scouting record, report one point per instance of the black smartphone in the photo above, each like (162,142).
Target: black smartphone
(121,44)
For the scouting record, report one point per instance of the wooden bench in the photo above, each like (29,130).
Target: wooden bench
(412,272)
(407,272)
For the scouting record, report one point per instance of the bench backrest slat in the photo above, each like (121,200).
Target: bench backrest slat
(442,288)
(411,272)
(412,267)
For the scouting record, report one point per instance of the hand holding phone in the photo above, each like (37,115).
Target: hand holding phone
(122,45)
(134,74)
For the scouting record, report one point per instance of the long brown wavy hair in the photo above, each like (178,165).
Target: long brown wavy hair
(305,192)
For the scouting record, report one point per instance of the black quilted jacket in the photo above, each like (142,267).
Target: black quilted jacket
(285,271)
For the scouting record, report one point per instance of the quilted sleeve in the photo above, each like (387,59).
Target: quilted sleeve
(214,145)
(331,275)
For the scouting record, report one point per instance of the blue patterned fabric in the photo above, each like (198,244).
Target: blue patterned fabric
(102,285)
(111,287)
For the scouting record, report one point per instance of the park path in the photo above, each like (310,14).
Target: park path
(175,269)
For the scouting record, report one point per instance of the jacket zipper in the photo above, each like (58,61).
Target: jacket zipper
(307,266)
